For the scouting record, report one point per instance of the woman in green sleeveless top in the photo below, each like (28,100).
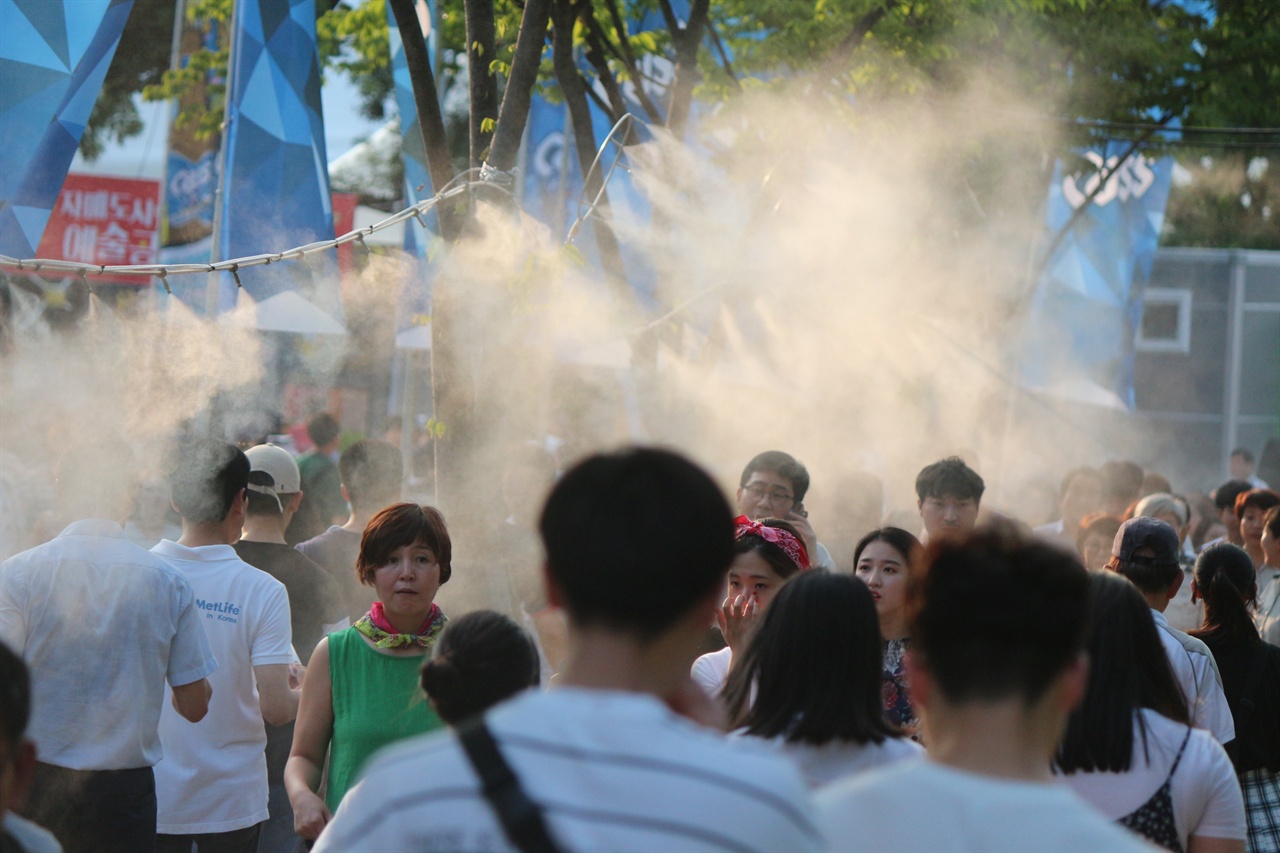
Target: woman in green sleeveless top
(361,690)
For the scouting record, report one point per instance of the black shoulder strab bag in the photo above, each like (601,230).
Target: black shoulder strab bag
(520,816)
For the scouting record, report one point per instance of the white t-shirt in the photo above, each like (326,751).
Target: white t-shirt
(214,774)
(831,762)
(1206,795)
(1182,613)
(613,771)
(822,559)
(1267,617)
(1053,530)
(102,624)
(711,670)
(925,806)
(1197,673)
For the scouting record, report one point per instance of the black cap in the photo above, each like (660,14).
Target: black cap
(1145,532)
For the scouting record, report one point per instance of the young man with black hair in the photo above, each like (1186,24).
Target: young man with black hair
(1224,498)
(997,664)
(103,625)
(773,485)
(17,760)
(324,504)
(1146,551)
(315,604)
(372,474)
(950,494)
(212,784)
(637,547)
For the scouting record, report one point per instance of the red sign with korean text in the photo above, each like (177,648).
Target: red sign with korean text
(105,221)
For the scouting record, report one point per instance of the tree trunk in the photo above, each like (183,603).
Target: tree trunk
(519,93)
(633,67)
(687,40)
(564,13)
(599,60)
(482,372)
(430,118)
(483,85)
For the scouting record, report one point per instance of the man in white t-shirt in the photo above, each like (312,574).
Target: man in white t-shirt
(103,626)
(1146,552)
(996,665)
(212,784)
(637,546)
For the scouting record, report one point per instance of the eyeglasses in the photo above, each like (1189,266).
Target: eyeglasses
(763,495)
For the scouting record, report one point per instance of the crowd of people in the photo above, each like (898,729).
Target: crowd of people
(688,670)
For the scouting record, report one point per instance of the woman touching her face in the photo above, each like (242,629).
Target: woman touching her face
(769,551)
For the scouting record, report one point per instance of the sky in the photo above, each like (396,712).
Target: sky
(143,155)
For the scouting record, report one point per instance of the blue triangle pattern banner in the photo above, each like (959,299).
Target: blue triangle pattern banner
(276,182)
(552,183)
(54,55)
(1088,302)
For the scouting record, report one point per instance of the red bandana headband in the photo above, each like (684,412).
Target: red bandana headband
(790,545)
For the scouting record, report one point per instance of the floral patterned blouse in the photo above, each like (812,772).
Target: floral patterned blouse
(897,703)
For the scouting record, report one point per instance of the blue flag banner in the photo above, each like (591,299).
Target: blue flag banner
(552,183)
(54,55)
(276,185)
(1078,341)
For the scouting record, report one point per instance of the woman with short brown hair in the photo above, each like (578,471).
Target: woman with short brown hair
(361,689)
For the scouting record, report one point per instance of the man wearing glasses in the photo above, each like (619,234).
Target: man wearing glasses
(773,485)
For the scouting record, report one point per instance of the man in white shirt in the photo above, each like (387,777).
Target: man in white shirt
(212,783)
(1080,495)
(103,625)
(637,546)
(996,665)
(1242,462)
(1146,552)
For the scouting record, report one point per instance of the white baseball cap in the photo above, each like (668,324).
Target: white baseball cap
(269,462)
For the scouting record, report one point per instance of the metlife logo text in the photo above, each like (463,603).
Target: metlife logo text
(223,611)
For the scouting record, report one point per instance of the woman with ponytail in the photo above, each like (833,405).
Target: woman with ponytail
(1129,748)
(1227,582)
(481,659)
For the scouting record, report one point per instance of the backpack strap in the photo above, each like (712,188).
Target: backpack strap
(520,816)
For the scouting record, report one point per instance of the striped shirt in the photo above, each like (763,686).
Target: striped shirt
(612,771)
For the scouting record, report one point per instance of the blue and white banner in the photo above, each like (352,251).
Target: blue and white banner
(276,187)
(1078,342)
(552,183)
(191,165)
(54,55)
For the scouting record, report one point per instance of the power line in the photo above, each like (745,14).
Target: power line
(234,265)
(1102,124)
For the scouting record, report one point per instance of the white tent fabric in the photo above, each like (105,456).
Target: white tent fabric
(284,312)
